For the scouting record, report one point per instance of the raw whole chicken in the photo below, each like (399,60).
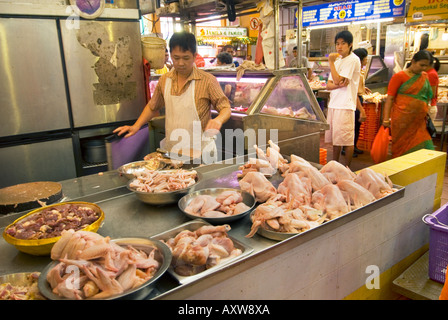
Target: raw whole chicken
(267,163)
(330,200)
(106,268)
(357,196)
(307,197)
(275,158)
(258,186)
(282,219)
(296,190)
(227,203)
(318,180)
(196,251)
(335,172)
(256,165)
(379,185)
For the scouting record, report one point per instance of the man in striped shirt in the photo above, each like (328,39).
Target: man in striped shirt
(187,93)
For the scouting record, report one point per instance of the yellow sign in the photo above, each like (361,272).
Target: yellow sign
(424,10)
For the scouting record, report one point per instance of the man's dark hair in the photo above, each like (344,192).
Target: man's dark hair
(225,57)
(361,53)
(346,36)
(227,47)
(186,41)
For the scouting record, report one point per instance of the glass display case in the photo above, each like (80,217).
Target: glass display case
(282,104)
(241,93)
(376,70)
(321,67)
(291,99)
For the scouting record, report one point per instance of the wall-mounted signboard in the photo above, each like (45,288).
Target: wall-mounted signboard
(221,32)
(427,10)
(352,11)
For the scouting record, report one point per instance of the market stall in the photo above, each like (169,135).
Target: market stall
(334,241)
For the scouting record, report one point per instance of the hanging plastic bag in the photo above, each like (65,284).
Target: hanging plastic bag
(444,292)
(380,145)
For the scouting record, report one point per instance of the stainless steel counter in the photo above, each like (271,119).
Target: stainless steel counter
(125,216)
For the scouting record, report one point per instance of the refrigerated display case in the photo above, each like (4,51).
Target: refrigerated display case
(377,73)
(279,102)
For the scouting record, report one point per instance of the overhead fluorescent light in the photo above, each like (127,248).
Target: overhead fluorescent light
(324,26)
(373,21)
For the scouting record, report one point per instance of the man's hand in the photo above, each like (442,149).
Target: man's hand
(212,128)
(131,130)
(333,56)
(343,82)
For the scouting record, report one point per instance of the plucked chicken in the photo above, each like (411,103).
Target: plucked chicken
(379,185)
(196,251)
(335,172)
(105,267)
(356,195)
(258,186)
(330,200)
(227,203)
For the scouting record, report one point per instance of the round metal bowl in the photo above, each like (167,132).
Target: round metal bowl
(42,247)
(163,198)
(163,255)
(129,169)
(274,235)
(22,279)
(248,199)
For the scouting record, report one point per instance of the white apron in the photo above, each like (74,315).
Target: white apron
(183,131)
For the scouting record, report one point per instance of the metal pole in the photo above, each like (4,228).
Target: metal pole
(378,39)
(276,32)
(299,34)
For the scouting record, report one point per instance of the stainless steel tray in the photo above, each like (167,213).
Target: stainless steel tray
(192,226)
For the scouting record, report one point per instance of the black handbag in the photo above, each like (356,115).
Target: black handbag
(430,127)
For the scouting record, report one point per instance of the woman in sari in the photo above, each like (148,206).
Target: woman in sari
(408,95)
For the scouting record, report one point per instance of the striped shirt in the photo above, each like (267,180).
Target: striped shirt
(207,93)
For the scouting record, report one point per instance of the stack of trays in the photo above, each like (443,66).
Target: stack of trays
(369,128)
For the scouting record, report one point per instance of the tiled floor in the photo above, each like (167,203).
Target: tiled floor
(364,160)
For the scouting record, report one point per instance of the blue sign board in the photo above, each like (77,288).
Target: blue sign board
(351,11)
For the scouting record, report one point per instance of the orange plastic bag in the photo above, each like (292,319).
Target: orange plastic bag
(444,292)
(380,145)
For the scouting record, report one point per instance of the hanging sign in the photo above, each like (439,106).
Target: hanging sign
(254,23)
(424,10)
(221,32)
(350,11)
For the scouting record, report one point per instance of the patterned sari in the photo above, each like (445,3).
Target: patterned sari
(408,116)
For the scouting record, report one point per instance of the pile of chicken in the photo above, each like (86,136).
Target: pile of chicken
(26,290)
(154,181)
(196,251)
(301,113)
(307,197)
(105,268)
(227,203)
